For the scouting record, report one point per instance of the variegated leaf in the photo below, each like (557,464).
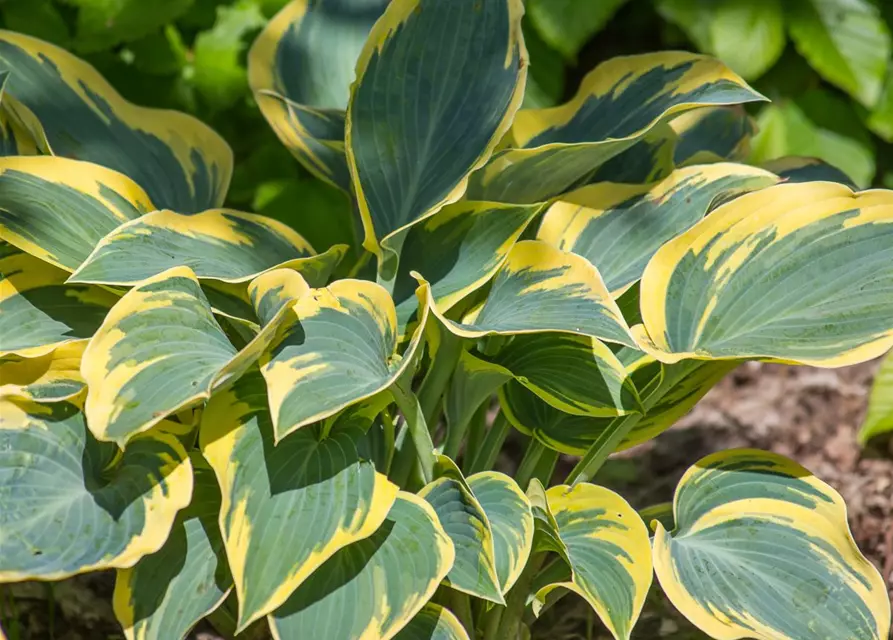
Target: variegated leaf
(648,160)
(798,169)
(38,311)
(606,547)
(682,385)
(509,513)
(219,244)
(796,272)
(51,377)
(231,301)
(576,374)
(879,418)
(456,251)
(160,349)
(408,152)
(466,524)
(618,103)
(58,209)
(433,622)
(618,228)
(71,504)
(761,549)
(286,508)
(181,163)
(166,593)
(540,288)
(712,134)
(372,588)
(300,69)
(20,133)
(341,348)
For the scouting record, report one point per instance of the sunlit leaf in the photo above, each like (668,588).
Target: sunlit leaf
(372,588)
(618,103)
(50,377)
(220,244)
(618,228)
(408,153)
(39,311)
(286,508)
(70,505)
(166,593)
(761,549)
(58,209)
(300,69)
(340,348)
(181,163)
(606,547)
(753,280)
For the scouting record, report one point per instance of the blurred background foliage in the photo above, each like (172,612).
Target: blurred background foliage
(827,65)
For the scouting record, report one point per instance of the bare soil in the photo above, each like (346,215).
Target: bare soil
(807,414)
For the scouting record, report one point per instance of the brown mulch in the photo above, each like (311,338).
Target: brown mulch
(810,415)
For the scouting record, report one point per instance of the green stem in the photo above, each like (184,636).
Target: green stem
(535,451)
(438,375)
(545,467)
(491,445)
(477,429)
(509,623)
(604,445)
(418,429)
(461,606)
(390,438)
(361,262)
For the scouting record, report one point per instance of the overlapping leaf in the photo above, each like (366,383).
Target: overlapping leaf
(182,164)
(540,288)
(413,136)
(466,524)
(761,549)
(797,272)
(648,160)
(160,349)
(19,130)
(58,209)
(340,349)
(220,244)
(38,311)
(50,377)
(456,251)
(473,382)
(69,505)
(678,389)
(605,545)
(286,508)
(618,228)
(799,169)
(166,593)
(374,587)
(576,374)
(510,517)
(433,622)
(300,69)
(618,103)
(713,134)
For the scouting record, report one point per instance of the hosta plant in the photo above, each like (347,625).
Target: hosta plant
(191,398)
